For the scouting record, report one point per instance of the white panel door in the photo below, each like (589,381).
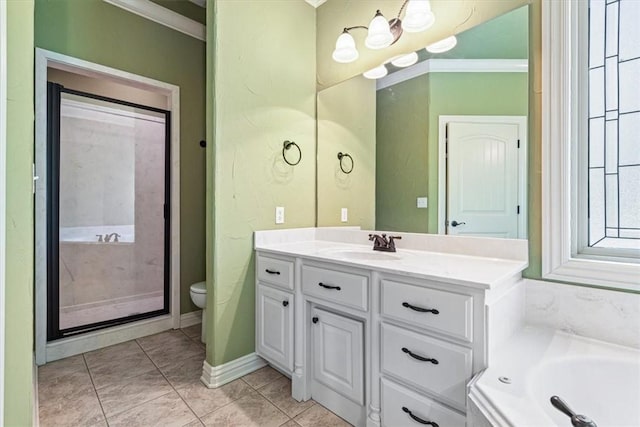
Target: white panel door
(275,326)
(482,179)
(338,354)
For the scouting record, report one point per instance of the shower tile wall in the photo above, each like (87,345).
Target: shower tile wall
(112,174)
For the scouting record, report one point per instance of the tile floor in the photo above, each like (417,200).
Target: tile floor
(155,381)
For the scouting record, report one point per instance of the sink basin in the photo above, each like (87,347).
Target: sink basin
(364,255)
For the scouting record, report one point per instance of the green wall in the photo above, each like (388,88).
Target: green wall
(407,137)
(347,123)
(102,33)
(264,71)
(18,369)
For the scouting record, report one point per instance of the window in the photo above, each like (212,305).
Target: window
(613,126)
(591,142)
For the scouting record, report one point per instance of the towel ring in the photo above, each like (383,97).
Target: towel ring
(342,156)
(287,145)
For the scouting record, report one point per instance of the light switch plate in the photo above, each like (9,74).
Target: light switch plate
(279,215)
(344,215)
(421,202)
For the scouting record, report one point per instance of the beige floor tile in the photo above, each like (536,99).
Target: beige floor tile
(177,348)
(193,331)
(63,386)
(106,355)
(161,340)
(290,423)
(184,372)
(251,410)
(114,371)
(262,377)
(203,400)
(319,416)
(132,392)
(60,368)
(77,408)
(278,392)
(167,410)
(195,423)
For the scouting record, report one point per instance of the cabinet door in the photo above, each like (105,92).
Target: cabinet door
(337,351)
(275,326)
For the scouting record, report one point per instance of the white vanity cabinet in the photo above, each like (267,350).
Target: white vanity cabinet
(380,340)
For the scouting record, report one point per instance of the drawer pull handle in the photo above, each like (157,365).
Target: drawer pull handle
(418,419)
(420,309)
(337,288)
(272,271)
(418,357)
(285,303)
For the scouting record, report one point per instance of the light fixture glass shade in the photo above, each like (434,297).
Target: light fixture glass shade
(443,45)
(405,60)
(418,17)
(376,73)
(379,35)
(345,51)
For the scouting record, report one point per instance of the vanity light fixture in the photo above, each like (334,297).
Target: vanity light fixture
(376,73)
(382,33)
(443,45)
(405,60)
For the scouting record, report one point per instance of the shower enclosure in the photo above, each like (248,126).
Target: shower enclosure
(107,212)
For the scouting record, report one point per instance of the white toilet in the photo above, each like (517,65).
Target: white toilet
(198,293)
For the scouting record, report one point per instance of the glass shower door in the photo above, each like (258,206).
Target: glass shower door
(108,225)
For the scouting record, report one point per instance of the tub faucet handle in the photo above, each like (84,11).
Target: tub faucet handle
(576,419)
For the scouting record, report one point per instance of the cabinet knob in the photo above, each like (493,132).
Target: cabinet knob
(285,303)
(315,320)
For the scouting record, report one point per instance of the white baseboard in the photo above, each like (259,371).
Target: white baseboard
(190,319)
(216,376)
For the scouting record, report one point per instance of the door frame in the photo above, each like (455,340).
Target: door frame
(49,351)
(521,121)
(3,189)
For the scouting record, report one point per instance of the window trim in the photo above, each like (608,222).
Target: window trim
(558,128)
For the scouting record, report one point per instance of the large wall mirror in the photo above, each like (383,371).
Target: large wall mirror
(436,147)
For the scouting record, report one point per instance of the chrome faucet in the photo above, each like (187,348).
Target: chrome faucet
(381,243)
(577,420)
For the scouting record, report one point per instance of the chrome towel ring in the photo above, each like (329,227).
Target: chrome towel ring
(341,157)
(286,146)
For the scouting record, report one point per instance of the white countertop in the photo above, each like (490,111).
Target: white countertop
(467,270)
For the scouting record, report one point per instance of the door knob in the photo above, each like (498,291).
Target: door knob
(455,223)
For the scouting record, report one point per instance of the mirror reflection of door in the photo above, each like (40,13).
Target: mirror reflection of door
(484,179)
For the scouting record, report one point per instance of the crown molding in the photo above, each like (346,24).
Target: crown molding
(454,66)
(315,3)
(156,13)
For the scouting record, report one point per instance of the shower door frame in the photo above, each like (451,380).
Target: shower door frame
(54,99)
(49,351)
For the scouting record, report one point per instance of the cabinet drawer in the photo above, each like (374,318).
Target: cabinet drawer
(428,363)
(275,271)
(398,404)
(344,288)
(445,312)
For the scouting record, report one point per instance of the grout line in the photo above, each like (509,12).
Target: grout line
(170,384)
(95,390)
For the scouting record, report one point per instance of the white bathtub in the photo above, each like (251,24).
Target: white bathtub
(90,233)
(596,379)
